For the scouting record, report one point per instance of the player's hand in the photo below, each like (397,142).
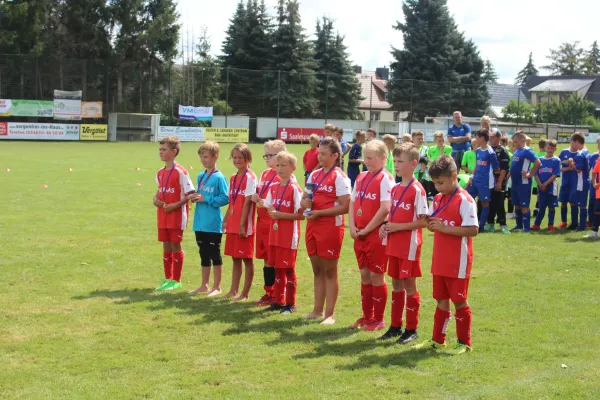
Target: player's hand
(274,214)
(498,187)
(198,198)
(596,185)
(313,215)
(261,203)
(353,233)
(171,207)
(242,232)
(306,204)
(361,234)
(383,231)
(255,198)
(436,224)
(526,175)
(158,202)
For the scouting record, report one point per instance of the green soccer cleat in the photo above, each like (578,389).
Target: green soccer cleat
(458,348)
(505,230)
(430,345)
(172,285)
(489,228)
(162,283)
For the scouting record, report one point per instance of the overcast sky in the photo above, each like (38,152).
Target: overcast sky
(504,31)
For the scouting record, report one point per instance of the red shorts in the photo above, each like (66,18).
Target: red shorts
(170,235)
(262,240)
(455,289)
(399,268)
(324,241)
(237,247)
(370,253)
(282,258)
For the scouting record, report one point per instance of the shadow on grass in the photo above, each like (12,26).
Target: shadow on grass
(406,358)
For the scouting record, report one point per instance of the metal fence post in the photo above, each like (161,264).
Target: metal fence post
(278,98)
(518,107)
(227,99)
(326,97)
(371,102)
(410,116)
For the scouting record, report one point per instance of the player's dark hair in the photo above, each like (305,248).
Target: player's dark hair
(173,142)
(244,149)
(407,148)
(542,143)
(333,146)
(484,133)
(578,137)
(551,142)
(442,166)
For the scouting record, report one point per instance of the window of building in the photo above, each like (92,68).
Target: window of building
(375,115)
(396,116)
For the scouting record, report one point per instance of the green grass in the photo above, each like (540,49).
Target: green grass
(79,319)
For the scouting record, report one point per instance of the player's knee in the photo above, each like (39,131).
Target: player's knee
(459,305)
(317,269)
(331,272)
(398,285)
(377,279)
(444,304)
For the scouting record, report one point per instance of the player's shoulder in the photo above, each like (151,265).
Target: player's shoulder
(180,169)
(418,187)
(339,173)
(251,174)
(387,175)
(295,186)
(464,196)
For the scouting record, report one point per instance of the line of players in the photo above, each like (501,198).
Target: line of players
(385,220)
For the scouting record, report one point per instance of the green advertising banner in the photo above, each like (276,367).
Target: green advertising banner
(26,108)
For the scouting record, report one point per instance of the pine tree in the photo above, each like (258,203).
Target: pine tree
(525,73)
(489,73)
(339,90)
(296,89)
(469,94)
(591,63)
(233,59)
(207,74)
(566,60)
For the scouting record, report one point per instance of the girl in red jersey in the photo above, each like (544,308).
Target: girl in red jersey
(325,227)
(369,206)
(239,221)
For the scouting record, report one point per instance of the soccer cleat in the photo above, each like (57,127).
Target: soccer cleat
(408,336)
(515,229)
(391,333)
(374,326)
(162,283)
(535,227)
(288,310)
(526,230)
(274,307)
(505,230)
(459,348)
(572,227)
(359,322)
(430,345)
(591,235)
(489,228)
(172,285)
(562,225)
(264,301)
(551,228)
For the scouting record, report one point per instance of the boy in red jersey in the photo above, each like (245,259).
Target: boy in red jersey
(171,201)
(310,160)
(369,206)
(263,224)
(453,220)
(403,234)
(283,204)
(325,227)
(239,221)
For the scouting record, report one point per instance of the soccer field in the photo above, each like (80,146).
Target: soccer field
(79,317)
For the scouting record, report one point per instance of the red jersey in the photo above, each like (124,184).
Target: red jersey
(332,184)
(173,185)
(288,200)
(240,187)
(311,159)
(453,255)
(368,193)
(267,178)
(408,202)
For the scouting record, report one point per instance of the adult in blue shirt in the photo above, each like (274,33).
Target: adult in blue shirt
(522,176)
(459,136)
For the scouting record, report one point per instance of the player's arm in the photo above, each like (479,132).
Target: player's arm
(221,198)
(355,155)
(594,179)
(536,166)
(462,231)
(549,181)
(158,203)
(245,210)
(408,226)
(377,221)
(351,223)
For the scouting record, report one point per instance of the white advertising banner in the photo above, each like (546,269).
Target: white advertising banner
(184,133)
(38,131)
(192,113)
(67,105)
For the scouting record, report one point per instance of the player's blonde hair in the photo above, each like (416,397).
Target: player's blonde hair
(360,134)
(527,140)
(287,157)
(418,132)
(210,147)
(519,135)
(314,137)
(487,119)
(173,142)
(244,150)
(409,149)
(553,142)
(504,140)
(378,147)
(390,138)
(329,127)
(407,137)
(437,135)
(275,145)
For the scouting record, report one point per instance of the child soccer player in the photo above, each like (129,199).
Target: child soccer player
(403,234)
(239,221)
(171,201)
(483,181)
(596,185)
(521,176)
(355,157)
(540,153)
(212,194)
(440,148)
(390,143)
(453,220)
(264,222)
(421,172)
(592,161)
(470,158)
(283,204)
(406,138)
(498,194)
(369,206)
(371,134)
(325,227)
(546,177)
(310,160)
(338,134)
(571,166)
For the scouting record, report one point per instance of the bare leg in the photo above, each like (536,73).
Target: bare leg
(332,290)
(203,288)
(248,278)
(218,271)
(236,276)
(319,288)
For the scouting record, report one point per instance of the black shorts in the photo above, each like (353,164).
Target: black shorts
(597,206)
(209,244)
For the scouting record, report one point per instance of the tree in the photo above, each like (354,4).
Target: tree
(574,110)
(591,63)
(525,73)
(295,89)
(470,95)
(339,90)
(519,111)
(489,73)
(566,60)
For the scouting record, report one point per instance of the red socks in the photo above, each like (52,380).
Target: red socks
(440,324)
(279,287)
(290,288)
(366,294)
(412,311)
(380,294)
(463,318)
(177,266)
(168,264)
(398,299)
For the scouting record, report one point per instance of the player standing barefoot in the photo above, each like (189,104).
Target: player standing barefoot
(325,227)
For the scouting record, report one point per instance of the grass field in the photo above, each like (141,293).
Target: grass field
(79,318)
